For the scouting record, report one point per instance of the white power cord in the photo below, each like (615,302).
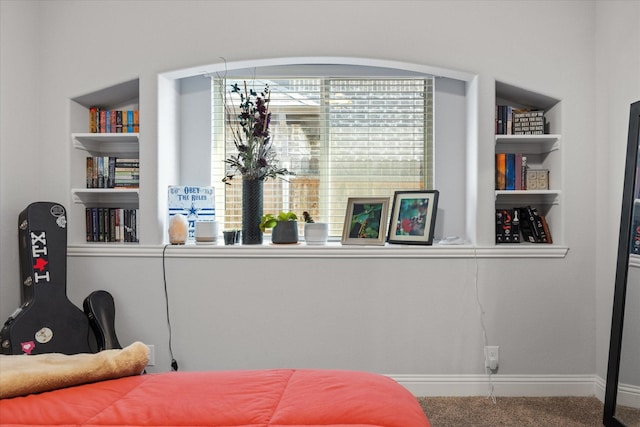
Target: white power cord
(484,329)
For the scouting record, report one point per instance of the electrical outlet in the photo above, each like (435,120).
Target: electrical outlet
(152,355)
(492,357)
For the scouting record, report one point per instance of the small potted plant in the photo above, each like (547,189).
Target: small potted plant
(315,233)
(285,227)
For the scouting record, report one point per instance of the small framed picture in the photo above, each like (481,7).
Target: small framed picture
(365,222)
(413,217)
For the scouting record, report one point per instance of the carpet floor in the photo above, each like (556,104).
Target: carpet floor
(513,411)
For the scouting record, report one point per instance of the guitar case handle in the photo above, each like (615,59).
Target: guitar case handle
(101,311)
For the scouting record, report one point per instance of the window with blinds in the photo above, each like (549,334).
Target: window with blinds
(342,137)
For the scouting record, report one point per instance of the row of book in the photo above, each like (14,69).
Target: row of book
(112,225)
(522,224)
(112,172)
(513,173)
(113,121)
(513,121)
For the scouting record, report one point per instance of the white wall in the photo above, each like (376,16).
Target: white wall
(416,316)
(618,71)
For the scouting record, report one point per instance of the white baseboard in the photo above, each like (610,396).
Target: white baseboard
(502,385)
(629,395)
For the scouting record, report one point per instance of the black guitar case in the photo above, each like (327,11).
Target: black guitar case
(46,321)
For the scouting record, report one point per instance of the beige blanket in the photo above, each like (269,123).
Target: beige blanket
(21,375)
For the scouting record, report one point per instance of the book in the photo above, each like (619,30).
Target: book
(130,122)
(507,226)
(501,166)
(136,122)
(545,227)
(526,226)
(93,119)
(538,224)
(510,171)
(196,203)
(533,225)
(524,173)
(518,164)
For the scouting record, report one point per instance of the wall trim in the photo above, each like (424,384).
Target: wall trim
(331,250)
(503,385)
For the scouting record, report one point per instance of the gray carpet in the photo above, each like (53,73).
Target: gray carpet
(513,411)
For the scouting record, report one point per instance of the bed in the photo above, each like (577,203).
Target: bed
(251,398)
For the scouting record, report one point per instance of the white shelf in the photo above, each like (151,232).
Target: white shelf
(95,195)
(107,143)
(528,196)
(536,144)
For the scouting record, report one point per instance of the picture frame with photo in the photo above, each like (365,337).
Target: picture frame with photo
(413,217)
(365,221)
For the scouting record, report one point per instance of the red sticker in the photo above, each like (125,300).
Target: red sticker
(27,347)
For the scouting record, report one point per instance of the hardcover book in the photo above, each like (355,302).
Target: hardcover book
(501,166)
(510,172)
(507,226)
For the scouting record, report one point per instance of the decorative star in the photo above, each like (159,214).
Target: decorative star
(193,211)
(40,264)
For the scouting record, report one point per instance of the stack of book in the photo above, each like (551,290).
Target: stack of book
(112,172)
(112,225)
(526,221)
(511,171)
(113,121)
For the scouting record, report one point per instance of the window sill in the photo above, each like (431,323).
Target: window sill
(330,250)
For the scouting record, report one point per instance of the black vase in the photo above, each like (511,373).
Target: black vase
(252,194)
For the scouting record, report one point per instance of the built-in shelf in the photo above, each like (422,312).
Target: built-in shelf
(84,144)
(542,151)
(106,143)
(535,144)
(104,195)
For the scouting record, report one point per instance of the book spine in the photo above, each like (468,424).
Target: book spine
(93,119)
(524,173)
(112,225)
(538,229)
(136,121)
(518,173)
(88,227)
(112,172)
(501,165)
(130,121)
(526,226)
(510,171)
(545,227)
(100,172)
(89,172)
(125,124)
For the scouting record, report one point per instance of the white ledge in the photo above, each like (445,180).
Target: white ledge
(331,250)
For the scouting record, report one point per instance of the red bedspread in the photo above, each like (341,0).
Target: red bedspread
(266,398)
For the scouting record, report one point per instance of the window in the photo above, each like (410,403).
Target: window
(342,137)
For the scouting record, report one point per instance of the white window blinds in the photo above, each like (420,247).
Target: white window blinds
(342,137)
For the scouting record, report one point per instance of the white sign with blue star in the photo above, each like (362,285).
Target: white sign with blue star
(194,202)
